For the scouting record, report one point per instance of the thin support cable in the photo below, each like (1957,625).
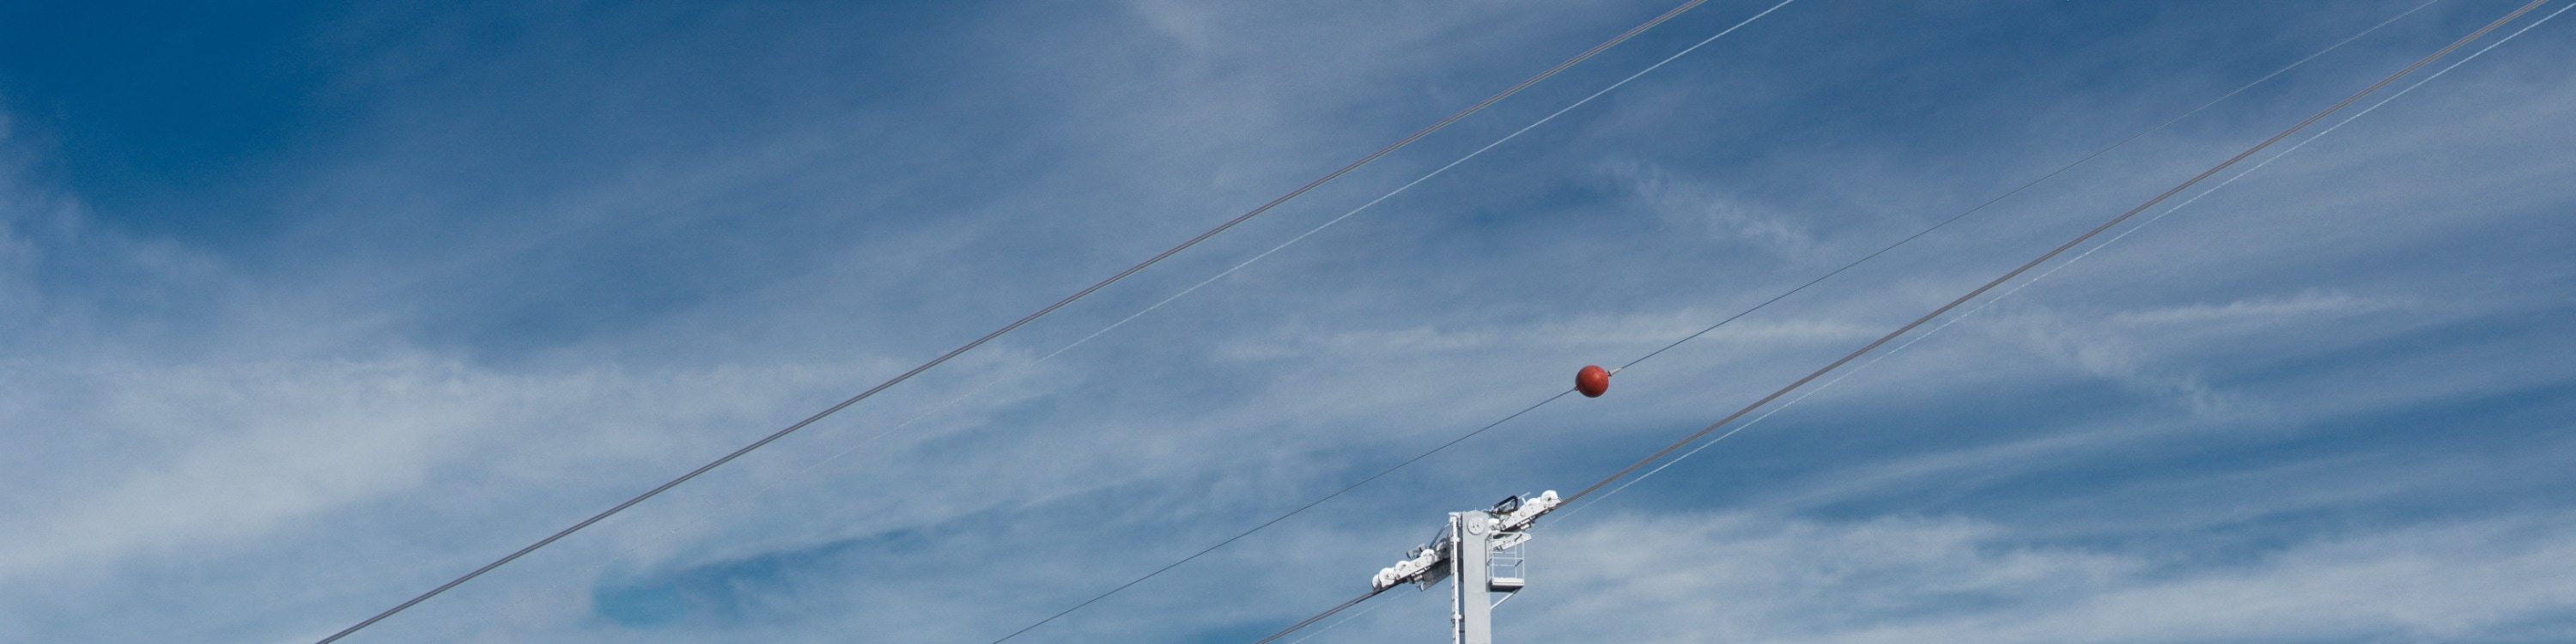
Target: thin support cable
(1426,177)
(1023,321)
(1273,250)
(1275,520)
(2027,185)
(2043,275)
(1339,622)
(1704,331)
(2079,257)
(1561,112)
(2053,253)
(1354,601)
(2024,268)
(1319,228)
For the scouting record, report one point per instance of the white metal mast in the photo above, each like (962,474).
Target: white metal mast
(1480,549)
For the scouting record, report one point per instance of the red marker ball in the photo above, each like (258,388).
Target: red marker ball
(1592,380)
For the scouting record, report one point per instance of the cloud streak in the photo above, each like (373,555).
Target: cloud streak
(551,256)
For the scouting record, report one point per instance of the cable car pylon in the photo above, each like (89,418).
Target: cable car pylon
(1480,551)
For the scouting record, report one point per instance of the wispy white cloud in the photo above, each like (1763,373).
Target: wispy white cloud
(2290,309)
(1690,205)
(1749,576)
(472,332)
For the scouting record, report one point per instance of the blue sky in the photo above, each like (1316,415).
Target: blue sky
(309,308)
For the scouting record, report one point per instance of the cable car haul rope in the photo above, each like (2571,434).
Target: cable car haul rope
(1988,286)
(1023,321)
(1591,381)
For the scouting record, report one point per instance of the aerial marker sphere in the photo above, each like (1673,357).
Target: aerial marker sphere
(1592,380)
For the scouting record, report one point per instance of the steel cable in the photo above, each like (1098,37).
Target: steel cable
(2054,252)
(1436,172)
(1560,394)
(2009,275)
(1023,321)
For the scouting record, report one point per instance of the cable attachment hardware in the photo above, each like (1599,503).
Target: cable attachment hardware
(1423,564)
(1523,512)
(1481,550)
